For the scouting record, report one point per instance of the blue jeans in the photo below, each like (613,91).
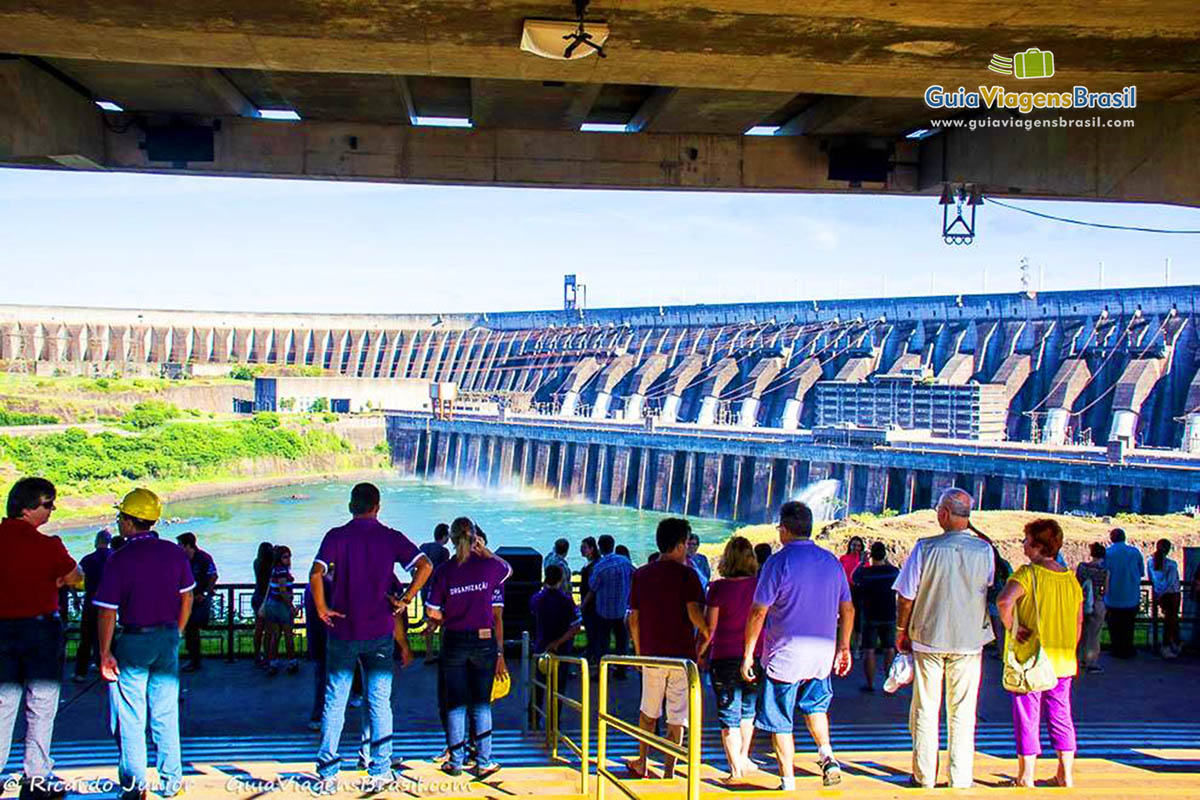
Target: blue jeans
(341,656)
(149,675)
(468,667)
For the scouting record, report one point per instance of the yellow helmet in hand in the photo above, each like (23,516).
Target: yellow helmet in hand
(501,686)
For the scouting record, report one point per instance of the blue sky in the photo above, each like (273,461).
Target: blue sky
(245,244)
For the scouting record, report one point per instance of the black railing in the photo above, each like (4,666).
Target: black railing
(231,622)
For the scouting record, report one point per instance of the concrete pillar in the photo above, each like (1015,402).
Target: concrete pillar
(910,492)
(562,478)
(1136,499)
(441,465)
(1053,496)
(978,490)
(458,454)
(1013,494)
(579,470)
(508,452)
(940,482)
(1179,500)
(710,483)
(404,446)
(645,492)
(877,490)
(601,471)
(846,490)
(474,451)
(620,476)
(664,472)
(541,464)
(760,491)
(689,481)
(819,471)
(1093,499)
(735,487)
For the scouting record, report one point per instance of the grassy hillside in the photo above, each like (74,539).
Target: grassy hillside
(88,469)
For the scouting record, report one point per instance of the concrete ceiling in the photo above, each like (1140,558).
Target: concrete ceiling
(850,47)
(680,68)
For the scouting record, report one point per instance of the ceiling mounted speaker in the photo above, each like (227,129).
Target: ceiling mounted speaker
(550,38)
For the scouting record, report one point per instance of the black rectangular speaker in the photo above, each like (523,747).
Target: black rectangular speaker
(520,588)
(179,143)
(857,163)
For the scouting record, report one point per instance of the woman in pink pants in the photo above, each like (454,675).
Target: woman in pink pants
(1043,603)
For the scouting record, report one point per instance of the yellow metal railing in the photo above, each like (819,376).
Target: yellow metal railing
(553,699)
(690,754)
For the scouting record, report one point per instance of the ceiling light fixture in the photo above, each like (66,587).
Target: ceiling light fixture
(563,40)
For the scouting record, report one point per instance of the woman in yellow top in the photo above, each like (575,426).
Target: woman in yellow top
(1042,602)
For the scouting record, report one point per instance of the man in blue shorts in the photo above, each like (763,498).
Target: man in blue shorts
(802,607)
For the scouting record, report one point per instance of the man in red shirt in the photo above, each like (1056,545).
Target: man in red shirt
(665,614)
(31,635)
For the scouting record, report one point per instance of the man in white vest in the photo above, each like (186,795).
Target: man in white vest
(941,617)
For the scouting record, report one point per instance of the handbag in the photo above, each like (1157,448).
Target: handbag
(1034,674)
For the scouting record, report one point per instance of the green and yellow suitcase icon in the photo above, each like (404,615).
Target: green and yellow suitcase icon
(1033,63)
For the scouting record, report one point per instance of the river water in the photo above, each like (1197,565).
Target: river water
(231,527)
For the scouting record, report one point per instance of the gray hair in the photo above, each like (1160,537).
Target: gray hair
(957,503)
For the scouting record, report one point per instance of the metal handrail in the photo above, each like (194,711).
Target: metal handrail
(690,754)
(552,697)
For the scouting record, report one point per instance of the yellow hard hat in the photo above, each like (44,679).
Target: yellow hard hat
(500,686)
(141,503)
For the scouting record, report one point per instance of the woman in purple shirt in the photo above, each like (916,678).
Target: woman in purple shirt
(728,606)
(460,599)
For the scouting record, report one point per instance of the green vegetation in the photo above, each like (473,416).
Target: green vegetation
(80,463)
(248,372)
(21,418)
(320,405)
(150,414)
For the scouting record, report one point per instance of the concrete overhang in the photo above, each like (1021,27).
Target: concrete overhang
(688,77)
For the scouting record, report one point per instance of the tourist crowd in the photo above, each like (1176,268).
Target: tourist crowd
(769,625)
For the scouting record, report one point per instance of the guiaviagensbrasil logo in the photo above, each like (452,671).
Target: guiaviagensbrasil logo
(1033,63)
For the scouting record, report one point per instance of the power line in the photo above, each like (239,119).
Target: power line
(1087,224)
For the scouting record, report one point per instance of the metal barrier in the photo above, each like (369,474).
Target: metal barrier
(552,699)
(690,753)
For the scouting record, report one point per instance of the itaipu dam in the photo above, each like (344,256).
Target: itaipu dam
(1083,401)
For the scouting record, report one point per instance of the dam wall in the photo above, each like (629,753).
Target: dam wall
(1076,368)
(744,476)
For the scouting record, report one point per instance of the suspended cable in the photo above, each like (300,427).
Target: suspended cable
(1134,228)
(1065,378)
(1116,383)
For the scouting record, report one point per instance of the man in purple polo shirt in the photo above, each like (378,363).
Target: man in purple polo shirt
(149,583)
(361,555)
(804,600)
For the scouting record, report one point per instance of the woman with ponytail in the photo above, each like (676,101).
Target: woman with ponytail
(463,592)
(1164,575)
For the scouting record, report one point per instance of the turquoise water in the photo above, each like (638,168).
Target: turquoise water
(231,527)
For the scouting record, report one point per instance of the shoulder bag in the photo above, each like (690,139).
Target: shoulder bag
(1036,673)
